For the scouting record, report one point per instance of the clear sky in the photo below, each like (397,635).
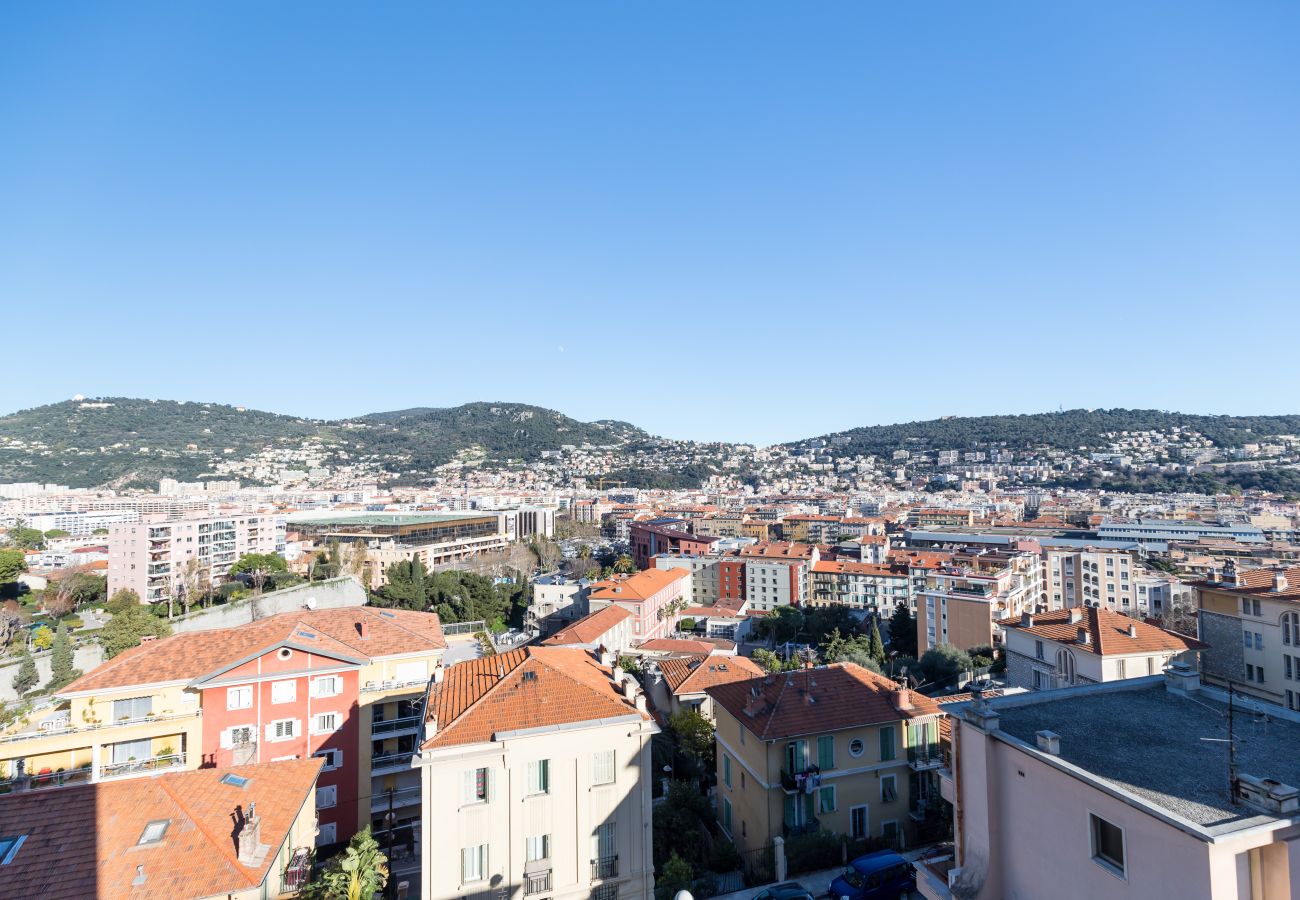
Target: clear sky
(743,221)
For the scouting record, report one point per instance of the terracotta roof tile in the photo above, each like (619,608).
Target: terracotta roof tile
(589,629)
(1108,632)
(641,586)
(696,674)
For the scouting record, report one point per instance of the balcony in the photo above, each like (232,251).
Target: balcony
(794,781)
(63,725)
(810,825)
(394,762)
(142,766)
(47,779)
(376,686)
(298,872)
(392,726)
(537,882)
(605,867)
(925,757)
(402,798)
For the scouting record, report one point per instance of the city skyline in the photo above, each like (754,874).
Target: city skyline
(1056,203)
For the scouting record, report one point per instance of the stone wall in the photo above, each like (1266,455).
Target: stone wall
(1224,658)
(84,658)
(332,594)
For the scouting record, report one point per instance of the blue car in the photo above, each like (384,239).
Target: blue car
(877,876)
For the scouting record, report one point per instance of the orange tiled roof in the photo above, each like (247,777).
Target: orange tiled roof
(329,632)
(857,568)
(1108,632)
(826,698)
(527,688)
(779,550)
(82,841)
(675,645)
(1259,581)
(588,629)
(641,586)
(696,674)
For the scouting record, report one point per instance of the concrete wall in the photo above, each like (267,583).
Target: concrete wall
(1224,658)
(84,658)
(332,594)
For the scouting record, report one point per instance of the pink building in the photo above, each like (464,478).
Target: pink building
(155,559)
(653,597)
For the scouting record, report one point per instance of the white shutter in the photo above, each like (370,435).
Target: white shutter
(226,740)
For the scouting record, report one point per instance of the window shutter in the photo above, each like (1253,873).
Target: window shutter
(227,741)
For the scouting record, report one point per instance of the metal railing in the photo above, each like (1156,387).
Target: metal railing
(42,780)
(135,767)
(76,729)
(387,725)
(808,826)
(390,759)
(605,867)
(298,871)
(463,627)
(537,882)
(925,756)
(372,686)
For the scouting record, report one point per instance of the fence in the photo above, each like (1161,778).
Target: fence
(759,865)
(464,627)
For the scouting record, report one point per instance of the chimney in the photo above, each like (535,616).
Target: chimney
(640,702)
(1279,582)
(629,689)
(430,727)
(1268,795)
(1026,620)
(1049,742)
(606,658)
(902,699)
(439,673)
(249,834)
(1238,577)
(1132,629)
(1081,636)
(617,674)
(363,629)
(1076,615)
(1180,678)
(148,637)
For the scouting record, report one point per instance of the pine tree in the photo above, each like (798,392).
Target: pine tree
(61,659)
(26,677)
(877,647)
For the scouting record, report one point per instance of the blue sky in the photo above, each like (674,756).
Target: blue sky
(742,221)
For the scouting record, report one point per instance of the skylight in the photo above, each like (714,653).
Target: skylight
(234,780)
(9,846)
(154,831)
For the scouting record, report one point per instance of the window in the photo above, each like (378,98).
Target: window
(1291,628)
(1107,844)
(1038,649)
(888,788)
(324,723)
(475,787)
(327,796)
(889,832)
(726,770)
(284,691)
(603,844)
(726,814)
(856,747)
(1246,635)
(239,697)
(537,848)
(539,777)
(887,750)
(602,767)
(132,708)
(327,686)
(1259,641)
(826,752)
(1250,672)
(154,831)
(857,821)
(282,730)
(826,798)
(237,736)
(326,833)
(473,864)
(333,759)
(9,847)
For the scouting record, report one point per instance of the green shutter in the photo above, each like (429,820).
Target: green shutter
(887,742)
(826,752)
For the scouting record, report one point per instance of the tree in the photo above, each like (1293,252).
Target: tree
(42,638)
(25,679)
(357,568)
(694,733)
(126,629)
(10,623)
(62,671)
(12,564)
(548,553)
(782,625)
(358,873)
(902,631)
(877,648)
(56,533)
(624,565)
(677,876)
(99,532)
(26,538)
(940,665)
(250,562)
(629,663)
(122,599)
(75,587)
(768,661)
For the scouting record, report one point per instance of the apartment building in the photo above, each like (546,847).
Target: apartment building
(652,597)
(536,772)
(1088,645)
(557,601)
(864,586)
(1093,576)
(811,529)
(609,628)
(928,517)
(963,601)
(242,833)
(158,560)
(833,748)
(683,682)
(778,573)
(655,536)
(1119,790)
(341,684)
(1251,621)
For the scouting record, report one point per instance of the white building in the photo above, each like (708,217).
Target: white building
(535,774)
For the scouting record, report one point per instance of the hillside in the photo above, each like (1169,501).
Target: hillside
(128,442)
(1071,429)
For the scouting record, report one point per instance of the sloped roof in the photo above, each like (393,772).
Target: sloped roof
(589,629)
(641,586)
(1108,632)
(329,632)
(1260,581)
(696,674)
(82,841)
(825,698)
(531,687)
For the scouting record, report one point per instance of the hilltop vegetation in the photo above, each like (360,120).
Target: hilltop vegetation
(1071,429)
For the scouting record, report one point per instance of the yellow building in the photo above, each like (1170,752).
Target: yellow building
(833,748)
(1251,622)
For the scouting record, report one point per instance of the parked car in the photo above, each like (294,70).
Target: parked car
(786,890)
(883,875)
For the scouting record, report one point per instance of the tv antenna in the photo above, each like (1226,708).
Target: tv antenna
(1231,741)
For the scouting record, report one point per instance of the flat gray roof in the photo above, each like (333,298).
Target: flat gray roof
(1148,741)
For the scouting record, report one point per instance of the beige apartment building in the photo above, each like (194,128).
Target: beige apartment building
(834,748)
(963,601)
(1092,576)
(161,560)
(1251,620)
(536,773)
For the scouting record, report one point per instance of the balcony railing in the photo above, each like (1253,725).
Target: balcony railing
(298,872)
(537,882)
(44,779)
(65,726)
(808,826)
(137,767)
(402,797)
(390,760)
(925,756)
(390,725)
(605,867)
(794,781)
(372,686)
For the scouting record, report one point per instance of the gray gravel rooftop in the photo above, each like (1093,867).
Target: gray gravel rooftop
(1148,741)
